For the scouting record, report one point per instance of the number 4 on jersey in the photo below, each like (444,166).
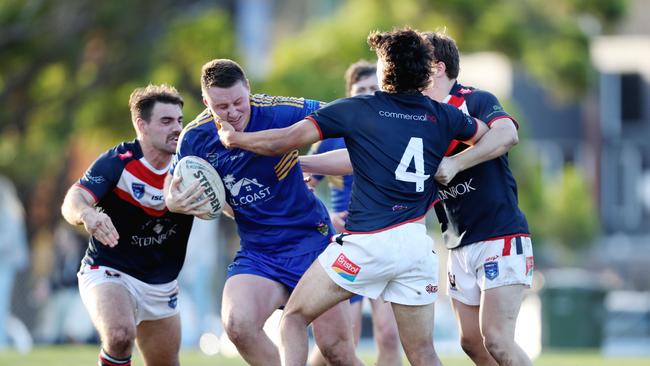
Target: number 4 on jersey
(414,151)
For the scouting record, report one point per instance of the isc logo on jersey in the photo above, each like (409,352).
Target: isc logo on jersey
(245,191)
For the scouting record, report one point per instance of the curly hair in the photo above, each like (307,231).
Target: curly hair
(406,58)
(357,71)
(445,51)
(142,100)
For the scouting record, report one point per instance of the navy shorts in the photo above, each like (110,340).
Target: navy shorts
(285,270)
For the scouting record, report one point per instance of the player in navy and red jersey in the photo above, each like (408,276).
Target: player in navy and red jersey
(360,79)
(283,227)
(491,258)
(396,139)
(137,247)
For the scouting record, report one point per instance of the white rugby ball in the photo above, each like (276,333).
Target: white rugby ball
(193,168)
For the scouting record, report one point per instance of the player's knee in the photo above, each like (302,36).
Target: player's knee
(472,346)
(292,317)
(495,346)
(240,330)
(119,339)
(388,338)
(338,352)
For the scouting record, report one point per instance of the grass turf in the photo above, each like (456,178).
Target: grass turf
(86,355)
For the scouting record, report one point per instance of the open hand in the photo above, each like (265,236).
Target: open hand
(99,225)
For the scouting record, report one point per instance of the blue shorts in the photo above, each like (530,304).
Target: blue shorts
(284,270)
(356,298)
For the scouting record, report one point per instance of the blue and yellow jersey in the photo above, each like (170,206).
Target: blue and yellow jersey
(275,212)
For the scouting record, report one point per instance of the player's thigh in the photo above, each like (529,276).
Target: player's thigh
(383,319)
(110,306)
(356,316)
(499,309)
(315,294)
(468,321)
(251,298)
(333,325)
(415,325)
(159,340)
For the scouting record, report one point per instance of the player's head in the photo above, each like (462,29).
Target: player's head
(157,115)
(361,78)
(445,52)
(226,92)
(404,60)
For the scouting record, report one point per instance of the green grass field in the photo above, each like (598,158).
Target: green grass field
(86,355)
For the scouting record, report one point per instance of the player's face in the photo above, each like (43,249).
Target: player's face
(230,104)
(367,85)
(165,126)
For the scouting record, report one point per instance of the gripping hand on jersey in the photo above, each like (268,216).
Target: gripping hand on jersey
(188,201)
(99,225)
(447,170)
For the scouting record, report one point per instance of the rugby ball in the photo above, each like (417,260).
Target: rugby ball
(193,168)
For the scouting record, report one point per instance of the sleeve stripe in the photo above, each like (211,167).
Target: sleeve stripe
(320,133)
(87,190)
(489,124)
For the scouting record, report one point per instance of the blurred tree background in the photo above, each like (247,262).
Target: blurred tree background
(68,68)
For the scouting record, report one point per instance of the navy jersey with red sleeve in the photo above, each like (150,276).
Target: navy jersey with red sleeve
(395,142)
(481,202)
(153,241)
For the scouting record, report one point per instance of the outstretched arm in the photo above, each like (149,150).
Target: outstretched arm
(335,162)
(500,138)
(271,142)
(79,209)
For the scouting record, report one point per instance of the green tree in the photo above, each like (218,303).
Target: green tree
(69,66)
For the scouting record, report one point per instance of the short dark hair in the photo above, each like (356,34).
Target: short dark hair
(142,100)
(406,57)
(221,73)
(357,71)
(445,51)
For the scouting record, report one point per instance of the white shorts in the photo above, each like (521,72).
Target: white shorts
(489,264)
(397,264)
(152,302)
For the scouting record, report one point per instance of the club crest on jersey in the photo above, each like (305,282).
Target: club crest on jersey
(345,268)
(138,190)
(323,228)
(491,270)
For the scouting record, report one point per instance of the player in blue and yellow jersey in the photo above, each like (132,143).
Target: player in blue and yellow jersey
(396,139)
(491,258)
(127,279)
(360,79)
(283,227)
